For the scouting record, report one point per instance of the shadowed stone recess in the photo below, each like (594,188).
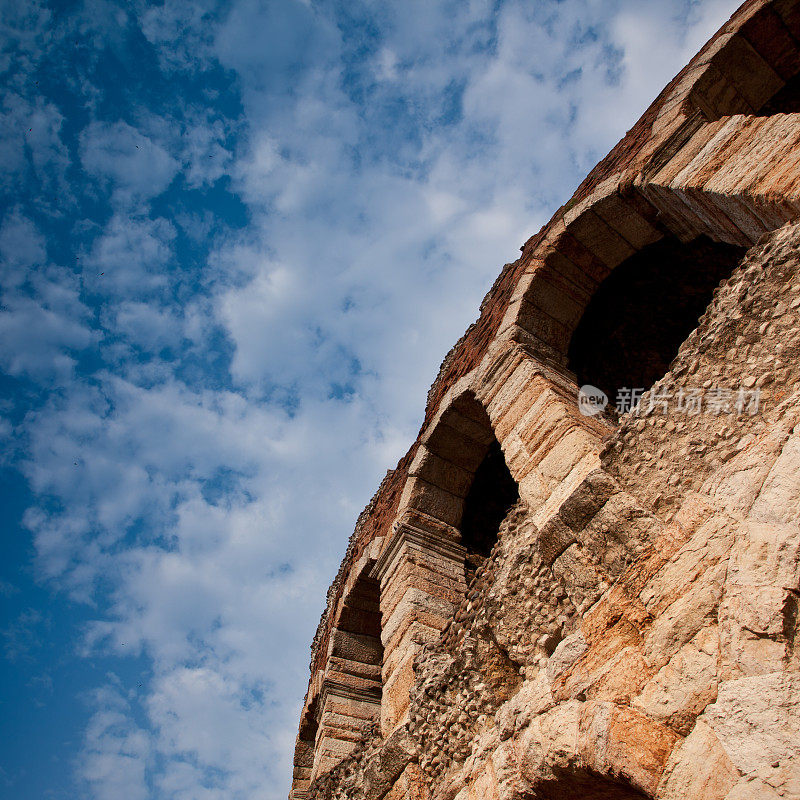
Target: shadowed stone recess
(490,498)
(640,315)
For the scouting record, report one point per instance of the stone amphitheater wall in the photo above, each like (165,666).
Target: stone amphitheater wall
(632,631)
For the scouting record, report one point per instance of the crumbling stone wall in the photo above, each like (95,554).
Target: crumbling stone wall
(633,631)
(747,339)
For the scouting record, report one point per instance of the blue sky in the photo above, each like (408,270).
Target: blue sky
(236,241)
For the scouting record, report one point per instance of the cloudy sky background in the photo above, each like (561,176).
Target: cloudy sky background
(236,241)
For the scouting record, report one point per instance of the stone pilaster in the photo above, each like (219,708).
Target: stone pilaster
(349,707)
(421,572)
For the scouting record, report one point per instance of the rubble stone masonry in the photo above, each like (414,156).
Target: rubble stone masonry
(545,604)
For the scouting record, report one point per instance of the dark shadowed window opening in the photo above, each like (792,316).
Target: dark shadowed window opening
(308,730)
(641,314)
(786,101)
(490,498)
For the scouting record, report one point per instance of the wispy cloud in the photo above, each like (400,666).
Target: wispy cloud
(115,757)
(132,165)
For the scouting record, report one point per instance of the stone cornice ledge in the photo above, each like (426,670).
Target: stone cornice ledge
(422,532)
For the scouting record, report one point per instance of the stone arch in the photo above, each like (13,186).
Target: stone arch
(426,564)
(347,709)
(304,748)
(587,785)
(711,158)
(493,493)
(459,448)
(723,189)
(596,750)
(714,173)
(752,65)
(634,324)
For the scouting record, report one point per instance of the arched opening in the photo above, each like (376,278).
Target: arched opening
(463,479)
(457,493)
(743,72)
(491,496)
(304,754)
(641,313)
(350,700)
(587,785)
(357,638)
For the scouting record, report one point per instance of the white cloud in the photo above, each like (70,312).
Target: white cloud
(204,152)
(201,714)
(145,326)
(22,250)
(30,139)
(114,760)
(298,35)
(130,257)
(386,64)
(181,30)
(137,167)
(229,586)
(36,340)
(43,321)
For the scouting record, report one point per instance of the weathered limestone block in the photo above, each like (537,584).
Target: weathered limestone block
(769,783)
(680,622)
(752,624)
(755,789)
(388,764)
(484,787)
(737,486)
(762,582)
(625,744)
(707,547)
(505,766)
(549,745)
(778,502)
(699,768)
(685,685)
(533,698)
(409,786)
(421,573)
(575,568)
(569,650)
(757,720)
(619,534)
(356,648)
(394,703)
